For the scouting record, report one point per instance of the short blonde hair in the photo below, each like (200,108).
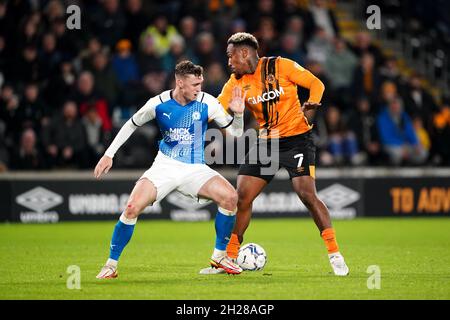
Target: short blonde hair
(243,39)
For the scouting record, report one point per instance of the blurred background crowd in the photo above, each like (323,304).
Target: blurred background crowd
(65,93)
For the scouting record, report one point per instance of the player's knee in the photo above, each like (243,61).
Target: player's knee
(230,201)
(132,210)
(307,197)
(244,200)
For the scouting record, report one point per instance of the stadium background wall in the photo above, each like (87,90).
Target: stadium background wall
(54,197)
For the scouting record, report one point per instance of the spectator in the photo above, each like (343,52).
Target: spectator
(4,154)
(26,66)
(53,10)
(28,155)
(176,54)
(291,12)
(105,79)
(188,30)
(295,26)
(136,21)
(124,64)
(162,33)
(86,96)
(215,78)
(263,9)
(342,145)
(363,44)
(85,57)
(9,104)
(65,140)
(152,83)
(363,123)
(49,57)
(206,52)
(267,36)
(422,134)
(59,87)
(366,79)
(319,48)
(32,112)
(28,37)
(95,137)
(389,71)
(290,48)
(418,101)
(388,92)
(70,43)
(441,135)
(3,60)
(148,60)
(324,18)
(108,22)
(339,66)
(397,135)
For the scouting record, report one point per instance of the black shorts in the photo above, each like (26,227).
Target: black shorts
(297,154)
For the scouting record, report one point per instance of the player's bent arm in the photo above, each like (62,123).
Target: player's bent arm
(304,78)
(316,90)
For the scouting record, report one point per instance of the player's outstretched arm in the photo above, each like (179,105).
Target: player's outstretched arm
(105,162)
(103,166)
(144,114)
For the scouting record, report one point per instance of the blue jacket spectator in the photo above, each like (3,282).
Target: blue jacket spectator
(124,63)
(397,135)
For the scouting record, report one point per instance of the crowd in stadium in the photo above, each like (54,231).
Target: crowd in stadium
(65,93)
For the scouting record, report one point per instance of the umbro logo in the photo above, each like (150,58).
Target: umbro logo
(39,199)
(338,196)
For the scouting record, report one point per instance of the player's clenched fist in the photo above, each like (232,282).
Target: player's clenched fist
(103,166)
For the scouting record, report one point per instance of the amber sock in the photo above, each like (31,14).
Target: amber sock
(233,246)
(329,237)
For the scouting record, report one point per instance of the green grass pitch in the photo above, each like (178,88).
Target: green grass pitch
(163,259)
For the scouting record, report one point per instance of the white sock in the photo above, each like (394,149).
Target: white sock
(219,253)
(123,218)
(112,263)
(334,254)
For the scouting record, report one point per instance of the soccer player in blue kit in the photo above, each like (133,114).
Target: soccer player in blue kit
(182,115)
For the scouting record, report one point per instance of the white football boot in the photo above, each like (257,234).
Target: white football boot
(107,272)
(226,264)
(338,264)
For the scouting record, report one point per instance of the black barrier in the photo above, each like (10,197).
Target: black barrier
(66,200)
(5,200)
(407,197)
(78,200)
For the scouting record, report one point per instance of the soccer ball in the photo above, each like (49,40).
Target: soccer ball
(252,257)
